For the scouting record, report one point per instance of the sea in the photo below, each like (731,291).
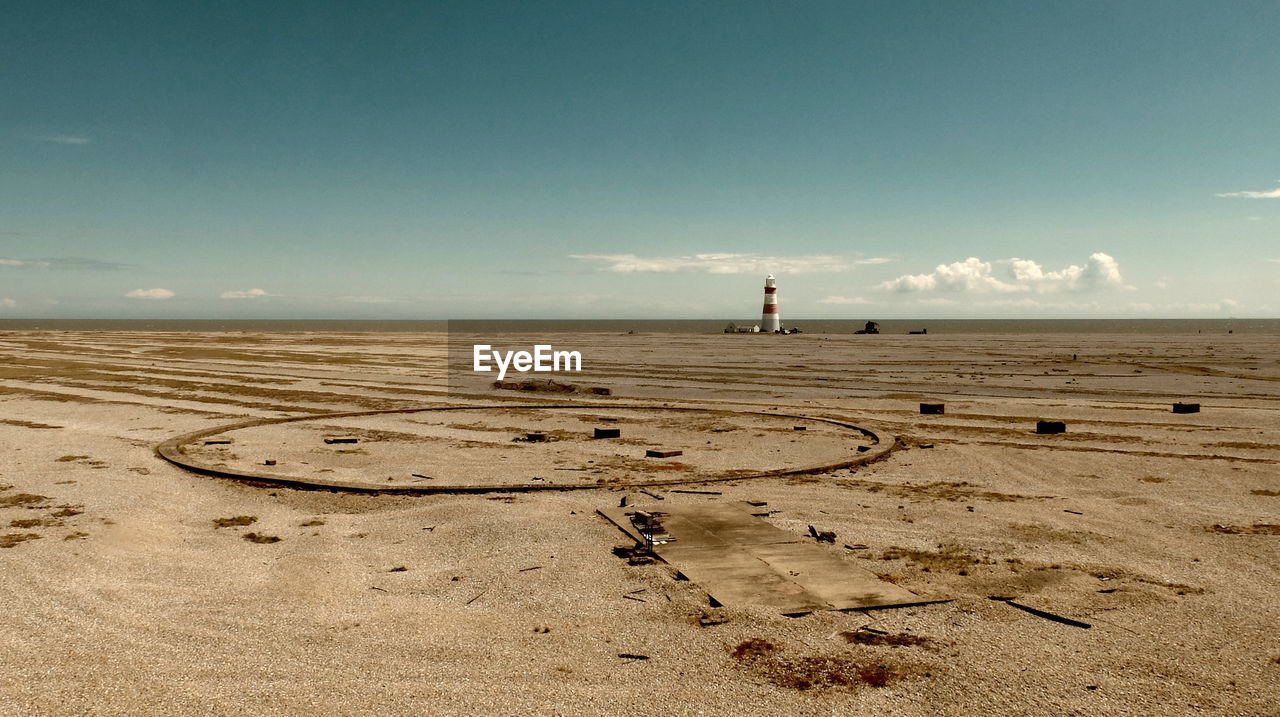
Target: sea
(662,326)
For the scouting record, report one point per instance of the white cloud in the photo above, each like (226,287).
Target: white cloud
(726,263)
(1019,275)
(372,300)
(150,294)
(8,303)
(1275,260)
(249,294)
(65,139)
(843,300)
(1272,194)
(66,262)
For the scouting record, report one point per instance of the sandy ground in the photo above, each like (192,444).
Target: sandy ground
(122,595)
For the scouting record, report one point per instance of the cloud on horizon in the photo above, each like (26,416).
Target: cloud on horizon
(8,303)
(843,300)
(64,139)
(66,262)
(249,294)
(153,294)
(1019,275)
(1271,194)
(725,263)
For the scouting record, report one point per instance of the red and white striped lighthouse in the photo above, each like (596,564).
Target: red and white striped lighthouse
(770,321)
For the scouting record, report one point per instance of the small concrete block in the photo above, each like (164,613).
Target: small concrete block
(1048,427)
(651,453)
(608,433)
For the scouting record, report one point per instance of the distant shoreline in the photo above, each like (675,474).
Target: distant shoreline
(670,326)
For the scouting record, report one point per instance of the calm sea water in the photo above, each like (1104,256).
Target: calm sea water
(689,326)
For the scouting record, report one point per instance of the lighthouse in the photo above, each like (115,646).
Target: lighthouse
(770,322)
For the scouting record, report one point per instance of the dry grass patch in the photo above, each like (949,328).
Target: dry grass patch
(946,557)
(1255,529)
(68,459)
(235,522)
(17,499)
(11,539)
(25,424)
(814,673)
(259,538)
(865,637)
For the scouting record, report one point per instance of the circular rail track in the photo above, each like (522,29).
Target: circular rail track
(175,451)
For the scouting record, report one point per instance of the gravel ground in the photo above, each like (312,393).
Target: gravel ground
(123,595)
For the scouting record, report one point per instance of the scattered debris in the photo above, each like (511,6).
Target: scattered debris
(1186,408)
(823,536)
(629,656)
(799,428)
(1073,512)
(269,462)
(654,453)
(331,441)
(863,449)
(398,569)
(548,386)
(534,567)
(218,442)
(535,437)
(258,538)
(607,433)
(1042,613)
(697,492)
(926,445)
(600,391)
(375,587)
(932,409)
(477,596)
(655,496)
(633,597)
(635,554)
(542,629)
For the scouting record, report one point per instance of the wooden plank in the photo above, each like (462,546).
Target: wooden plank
(734,576)
(742,560)
(838,582)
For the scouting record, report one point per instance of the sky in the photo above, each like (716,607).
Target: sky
(631,159)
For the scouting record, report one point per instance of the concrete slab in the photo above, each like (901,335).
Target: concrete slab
(742,560)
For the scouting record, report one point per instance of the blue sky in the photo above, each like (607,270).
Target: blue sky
(639,159)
